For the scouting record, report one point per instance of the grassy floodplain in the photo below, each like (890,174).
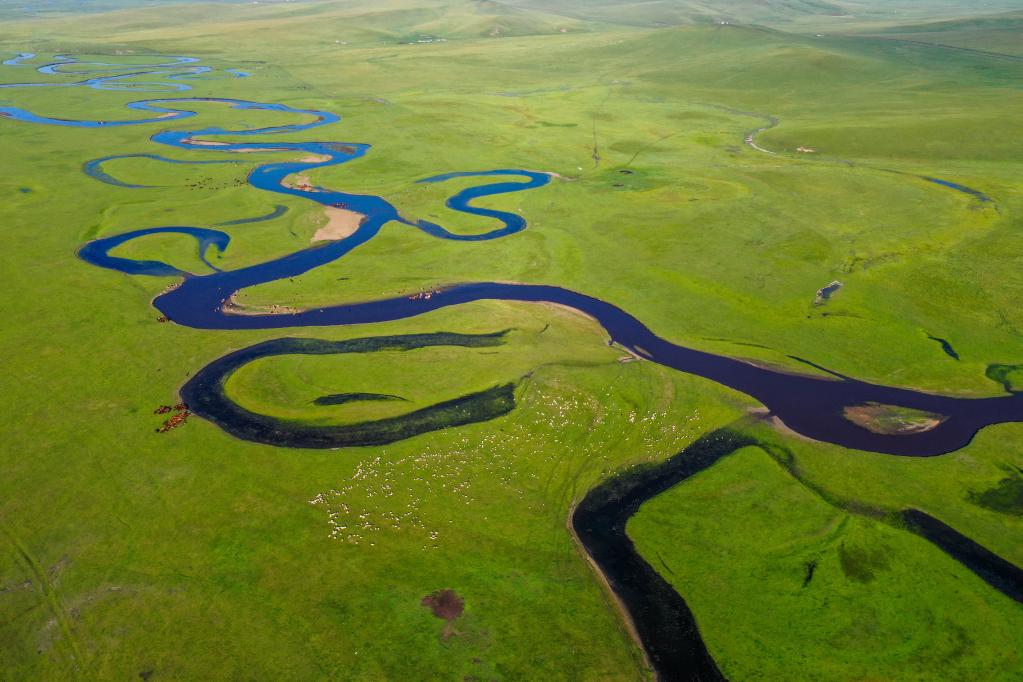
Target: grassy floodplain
(194,555)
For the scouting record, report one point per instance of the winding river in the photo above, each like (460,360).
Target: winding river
(811,405)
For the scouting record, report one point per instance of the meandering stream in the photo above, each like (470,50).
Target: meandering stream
(811,405)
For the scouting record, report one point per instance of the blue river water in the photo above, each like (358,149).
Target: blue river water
(808,404)
(22,57)
(958,187)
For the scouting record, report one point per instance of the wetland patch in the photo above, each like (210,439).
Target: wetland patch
(344,398)
(1009,376)
(1005,497)
(892,420)
(946,347)
(205,393)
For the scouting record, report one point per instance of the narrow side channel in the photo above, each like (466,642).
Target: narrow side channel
(666,627)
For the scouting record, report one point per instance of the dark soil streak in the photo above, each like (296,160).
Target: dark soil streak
(445,604)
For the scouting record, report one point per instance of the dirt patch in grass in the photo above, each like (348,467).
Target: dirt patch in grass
(444,604)
(447,605)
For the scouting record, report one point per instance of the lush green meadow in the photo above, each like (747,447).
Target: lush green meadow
(194,555)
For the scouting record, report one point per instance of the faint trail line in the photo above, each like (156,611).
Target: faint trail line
(49,596)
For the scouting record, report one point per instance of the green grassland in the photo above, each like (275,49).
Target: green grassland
(880,603)
(195,555)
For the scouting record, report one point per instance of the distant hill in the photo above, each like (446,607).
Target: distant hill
(1001,33)
(523,17)
(679,12)
(327,21)
(961,23)
(812,14)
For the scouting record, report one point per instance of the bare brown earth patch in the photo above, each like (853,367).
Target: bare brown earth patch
(300,182)
(559,176)
(341,223)
(763,414)
(238,150)
(445,604)
(204,143)
(234,306)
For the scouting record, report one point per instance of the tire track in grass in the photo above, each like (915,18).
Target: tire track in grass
(50,598)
